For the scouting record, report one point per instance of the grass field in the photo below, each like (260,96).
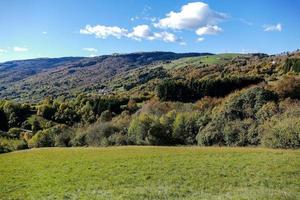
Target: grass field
(199,60)
(150,173)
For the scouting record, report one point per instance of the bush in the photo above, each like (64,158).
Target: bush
(185,128)
(98,132)
(145,129)
(8,145)
(246,104)
(106,116)
(42,139)
(63,139)
(282,133)
(267,111)
(14,133)
(292,64)
(234,123)
(211,134)
(48,137)
(79,138)
(288,86)
(118,139)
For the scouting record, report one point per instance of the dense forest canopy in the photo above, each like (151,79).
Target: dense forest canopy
(155,99)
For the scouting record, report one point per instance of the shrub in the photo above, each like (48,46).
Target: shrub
(42,139)
(185,128)
(47,137)
(267,111)
(246,104)
(118,139)
(288,86)
(145,129)
(98,132)
(79,138)
(106,116)
(63,139)
(211,134)
(282,133)
(14,133)
(292,64)
(8,145)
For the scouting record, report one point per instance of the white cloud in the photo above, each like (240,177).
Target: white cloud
(20,49)
(269,28)
(192,16)
(246,22)
(200,39)
(90,49)
(2,51)
(141,32)
(92,55)
(144,32)
(183,43)
(44,32)
(209,30)
(166,36)
(104,31)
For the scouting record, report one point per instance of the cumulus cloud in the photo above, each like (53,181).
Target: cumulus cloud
(90,49)
(200,39)
(2,51)
(270,28)
(192,16)
(144,32)
(104,31)
(197,16)
(20,49)
(209,30)
(166,36)
(140,32)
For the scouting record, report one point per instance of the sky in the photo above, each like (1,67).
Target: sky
(59,28)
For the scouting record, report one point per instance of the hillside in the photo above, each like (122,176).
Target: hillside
(35,79)
(156,98)
(128,74)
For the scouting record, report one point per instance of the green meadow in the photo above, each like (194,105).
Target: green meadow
(150,173)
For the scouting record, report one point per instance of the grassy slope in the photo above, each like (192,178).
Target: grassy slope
(196,61)
(150,173)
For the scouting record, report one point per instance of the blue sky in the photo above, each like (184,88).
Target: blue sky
(56,28)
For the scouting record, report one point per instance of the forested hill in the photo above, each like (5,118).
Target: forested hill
(155,98)
(36,78)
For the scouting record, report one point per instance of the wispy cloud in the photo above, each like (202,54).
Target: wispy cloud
(272,28)
(3,51)
(244,21)
(90,49)
(20,49)
(45,32)
(200,39)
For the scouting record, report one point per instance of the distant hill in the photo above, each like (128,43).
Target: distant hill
(20,69)
(133,74)
(36,78)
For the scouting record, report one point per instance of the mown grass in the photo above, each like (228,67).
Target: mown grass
(150,173)
(200,60)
